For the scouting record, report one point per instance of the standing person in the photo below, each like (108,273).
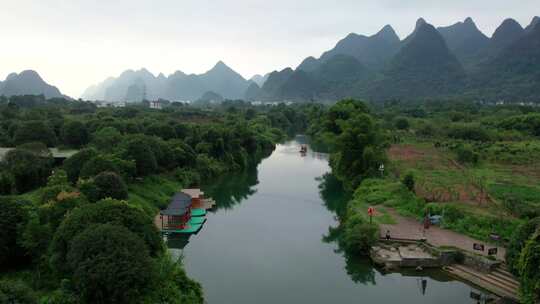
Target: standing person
(388,235)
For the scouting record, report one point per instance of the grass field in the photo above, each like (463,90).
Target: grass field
(491,196)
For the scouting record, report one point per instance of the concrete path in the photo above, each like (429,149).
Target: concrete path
(410,228)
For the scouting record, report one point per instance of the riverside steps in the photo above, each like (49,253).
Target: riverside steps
(490,275)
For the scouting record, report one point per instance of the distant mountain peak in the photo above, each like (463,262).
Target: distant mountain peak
(509,24)
(509,31)
(421,21)
(388,33)
(465,40)
(309,64)
(221,65)
(12,76)
(534,22)
(28,82)
(30,73)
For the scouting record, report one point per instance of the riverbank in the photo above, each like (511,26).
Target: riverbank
(270,239)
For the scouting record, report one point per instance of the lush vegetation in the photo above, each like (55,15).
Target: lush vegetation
(475,165)
(355,141)
(82,230)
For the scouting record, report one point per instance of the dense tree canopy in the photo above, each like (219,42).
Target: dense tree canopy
(28,169)
(32,131)
(102,212)
(12,217)
(75,134)
(105,185)
(110,264)
(181,145)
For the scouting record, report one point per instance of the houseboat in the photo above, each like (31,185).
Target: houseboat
(186,213)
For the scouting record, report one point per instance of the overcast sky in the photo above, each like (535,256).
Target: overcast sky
(76,43)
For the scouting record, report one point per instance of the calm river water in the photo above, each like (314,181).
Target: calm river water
(269,241)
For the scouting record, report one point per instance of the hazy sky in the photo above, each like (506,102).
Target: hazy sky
(76,43)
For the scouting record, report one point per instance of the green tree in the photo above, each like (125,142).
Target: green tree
(75,163)
(75,134)
(6,183)
(162,130)
(32,131)
(517,242)
(110,264)
(466,155)
(13,215)
(16,292)
(102,212)
(106,139)
(402,123)
(358,152)
(110,163)
(359,235)
(408,181)
(137,149)
(529,263)
(29,170)
(106,185)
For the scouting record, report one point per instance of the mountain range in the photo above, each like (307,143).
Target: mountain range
(134,86)
(443,62)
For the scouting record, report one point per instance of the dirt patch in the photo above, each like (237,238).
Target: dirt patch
(405,153)
(457,193)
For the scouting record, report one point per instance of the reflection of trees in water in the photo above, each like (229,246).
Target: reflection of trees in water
(333,195)
(232,189)
(359,268)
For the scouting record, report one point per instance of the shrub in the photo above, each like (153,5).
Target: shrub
(105,185)
(110,264)
(402,123)
(173,285)
(467,155)
(469,132)
(359,235)
(187,177)
(517,242)
(50,193)
(529,263)
(426,130)
(53,211)
(16,292)
(6,183)
(408,181)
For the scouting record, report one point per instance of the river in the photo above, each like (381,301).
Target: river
(269,242)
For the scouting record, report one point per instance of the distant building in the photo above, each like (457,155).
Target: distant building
(156,104)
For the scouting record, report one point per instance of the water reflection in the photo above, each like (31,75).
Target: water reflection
(360,269)
(231,189)
(274,237)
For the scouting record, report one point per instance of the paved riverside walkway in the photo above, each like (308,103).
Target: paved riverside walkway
(410,228)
